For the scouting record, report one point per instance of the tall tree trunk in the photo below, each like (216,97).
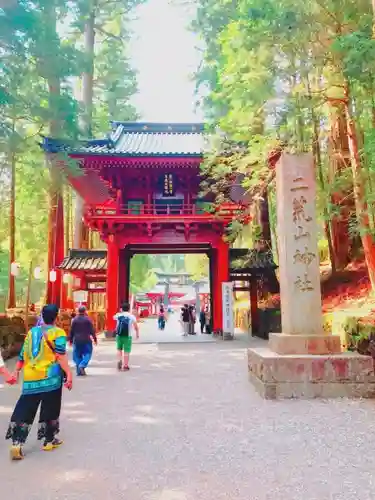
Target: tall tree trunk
(12,231)
(318,161)
(317,152)
(67,212)
(56,205)
(359,191)
(81,233)
(264,220)
(342,197)
(88,76)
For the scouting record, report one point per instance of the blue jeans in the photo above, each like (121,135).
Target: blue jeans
(82,355)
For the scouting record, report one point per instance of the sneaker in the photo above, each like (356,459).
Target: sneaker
(52,445)
(125,368)
(82,372)
(16,452)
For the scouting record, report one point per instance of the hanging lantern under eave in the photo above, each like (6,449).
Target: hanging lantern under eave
(14,269)
(66,279)
(52,276)
(38,273)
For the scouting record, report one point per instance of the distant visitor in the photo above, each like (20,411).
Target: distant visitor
(124,340)
(82,334)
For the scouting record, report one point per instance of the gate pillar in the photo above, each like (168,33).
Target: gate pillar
(124,276)
(112,305)
(220,275)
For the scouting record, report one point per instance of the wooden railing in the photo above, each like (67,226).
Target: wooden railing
(165,209)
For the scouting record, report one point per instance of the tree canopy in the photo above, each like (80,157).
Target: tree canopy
(43,63)
(296,76)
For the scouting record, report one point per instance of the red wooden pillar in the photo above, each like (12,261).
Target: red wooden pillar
(127,282)
(58,253)
(121,277)
(124,276)
(64,294)
(113,262)
(221,275)
(119,201)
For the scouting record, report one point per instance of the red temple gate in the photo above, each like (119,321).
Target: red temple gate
(141,192)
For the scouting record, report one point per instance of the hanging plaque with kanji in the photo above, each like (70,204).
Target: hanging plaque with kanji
(168,186)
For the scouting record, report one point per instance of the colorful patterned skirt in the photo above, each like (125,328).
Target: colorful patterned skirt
(24,415)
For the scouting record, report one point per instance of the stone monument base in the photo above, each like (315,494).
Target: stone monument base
(283,343)
(308,376)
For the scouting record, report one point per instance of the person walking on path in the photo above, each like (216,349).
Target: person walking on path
(202,319)
(185,320)
(192,320)
(45,363)
(208,320)
(161,318)
(82,333)
(8,377)
(124,340)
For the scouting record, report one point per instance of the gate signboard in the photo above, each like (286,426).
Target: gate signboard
(80,296)
(228,318)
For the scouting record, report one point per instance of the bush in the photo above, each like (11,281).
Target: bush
(353,328)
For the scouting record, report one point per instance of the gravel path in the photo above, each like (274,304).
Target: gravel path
(185,424)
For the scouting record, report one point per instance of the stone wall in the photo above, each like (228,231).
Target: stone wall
(12,334)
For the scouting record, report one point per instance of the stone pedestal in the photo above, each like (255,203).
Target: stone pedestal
(282,343)
(303,361)
(307,376)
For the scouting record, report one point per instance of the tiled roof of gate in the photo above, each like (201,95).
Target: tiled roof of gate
(85,260)
(138,139)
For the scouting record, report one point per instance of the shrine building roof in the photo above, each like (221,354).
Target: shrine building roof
(85,260)
(96,260)
(137,139)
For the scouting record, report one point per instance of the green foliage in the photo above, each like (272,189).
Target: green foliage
(170,263)
(276,72)
(42,60)
(114,78)
(197,266)
(142,277)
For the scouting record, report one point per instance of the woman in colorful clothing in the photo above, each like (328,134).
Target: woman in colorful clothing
(44,361)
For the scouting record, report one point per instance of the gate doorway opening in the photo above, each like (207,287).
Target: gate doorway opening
(174,281)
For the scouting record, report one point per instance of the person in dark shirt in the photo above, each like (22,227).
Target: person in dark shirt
(82,334)
(202,319)
(161,318)
(192,320)
(185,319)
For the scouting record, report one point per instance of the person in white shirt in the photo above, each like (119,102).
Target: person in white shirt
(124,340)
(9,378)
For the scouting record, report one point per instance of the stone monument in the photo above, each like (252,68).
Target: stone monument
(303,360)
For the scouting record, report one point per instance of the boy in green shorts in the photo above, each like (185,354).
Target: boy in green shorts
(125,322)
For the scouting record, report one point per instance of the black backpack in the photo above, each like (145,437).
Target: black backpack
(123,326)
